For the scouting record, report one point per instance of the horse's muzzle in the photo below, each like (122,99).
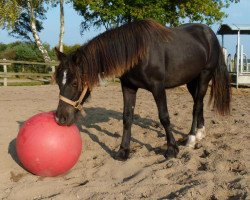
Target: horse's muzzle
(64,119)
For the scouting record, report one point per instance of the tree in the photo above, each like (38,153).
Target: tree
(111,13)
(61,26)
(30,7)
(22,26)
(24,22)
(9,12)
(61,34)
(27,22)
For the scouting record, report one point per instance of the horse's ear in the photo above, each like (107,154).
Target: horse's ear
(60,55)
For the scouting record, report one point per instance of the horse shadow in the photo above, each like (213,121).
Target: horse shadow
(95,115)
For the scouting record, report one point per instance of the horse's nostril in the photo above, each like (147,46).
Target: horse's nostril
(63,120)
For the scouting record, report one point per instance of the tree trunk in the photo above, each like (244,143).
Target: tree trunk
(35,33)
(61,26)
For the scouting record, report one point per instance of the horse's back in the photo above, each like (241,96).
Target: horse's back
(188,53)
(200,33)
(178,60)
(193,28)
(195,37)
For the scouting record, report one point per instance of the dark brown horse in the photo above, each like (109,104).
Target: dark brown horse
(145,54)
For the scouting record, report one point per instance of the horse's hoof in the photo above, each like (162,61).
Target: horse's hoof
(172,152)
(122,154)
(201,133)
(191,141)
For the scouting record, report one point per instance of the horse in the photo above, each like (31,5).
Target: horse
(145,54)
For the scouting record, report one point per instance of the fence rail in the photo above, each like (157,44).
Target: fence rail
(32,77)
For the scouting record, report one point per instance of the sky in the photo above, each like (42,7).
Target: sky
(237,14)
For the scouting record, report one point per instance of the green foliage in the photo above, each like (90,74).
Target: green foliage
(27,22)
(24,51)
(9,11)
(19,51)
(21,28)
(8,53)
(70,49)
(27,51)
(2,47)
(112,13)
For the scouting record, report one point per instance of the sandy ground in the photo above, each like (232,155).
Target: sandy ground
(217,169)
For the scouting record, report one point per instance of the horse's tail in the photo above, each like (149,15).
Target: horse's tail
(220,89)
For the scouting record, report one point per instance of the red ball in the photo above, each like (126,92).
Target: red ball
(47,149)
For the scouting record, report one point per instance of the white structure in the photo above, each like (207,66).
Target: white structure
(241,71)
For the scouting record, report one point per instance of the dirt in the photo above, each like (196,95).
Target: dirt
(218,168)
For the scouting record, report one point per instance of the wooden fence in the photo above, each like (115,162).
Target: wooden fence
(10,77)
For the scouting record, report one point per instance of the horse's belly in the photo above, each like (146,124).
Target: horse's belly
(181,75)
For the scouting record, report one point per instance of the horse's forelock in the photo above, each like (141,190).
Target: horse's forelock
(72,69)
(75,72)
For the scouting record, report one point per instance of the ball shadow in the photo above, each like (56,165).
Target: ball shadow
(13,153)
(12,147)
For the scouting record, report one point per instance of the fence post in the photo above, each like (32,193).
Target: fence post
(5,81)
(53,69)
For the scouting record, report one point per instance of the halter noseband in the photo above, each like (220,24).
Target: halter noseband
(76,104)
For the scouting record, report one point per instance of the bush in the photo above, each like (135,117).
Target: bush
(25,51)
(2,47)
(70,49)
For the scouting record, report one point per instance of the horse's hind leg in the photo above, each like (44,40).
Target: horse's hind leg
(129,98)
(161,102)
(198,88)
(200,132)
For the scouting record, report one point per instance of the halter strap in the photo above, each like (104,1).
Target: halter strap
(76,104)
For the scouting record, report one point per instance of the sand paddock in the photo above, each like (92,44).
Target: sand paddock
(217,169)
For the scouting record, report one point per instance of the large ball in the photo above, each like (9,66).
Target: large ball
(47,149)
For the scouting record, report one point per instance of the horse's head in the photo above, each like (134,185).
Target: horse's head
(73,88)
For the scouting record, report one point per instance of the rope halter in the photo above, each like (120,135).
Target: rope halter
(76,104)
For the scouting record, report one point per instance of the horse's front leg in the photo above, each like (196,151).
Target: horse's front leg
(129,97)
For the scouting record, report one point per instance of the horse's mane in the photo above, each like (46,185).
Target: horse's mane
(115,51)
